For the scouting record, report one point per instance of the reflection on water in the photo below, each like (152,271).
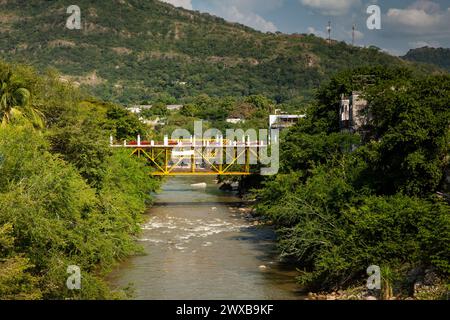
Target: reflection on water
(199,245)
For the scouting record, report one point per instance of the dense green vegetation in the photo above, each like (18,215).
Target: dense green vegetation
(346,201)
(253,110)
(65,197)
(130,51)
(436,56)
(341,202)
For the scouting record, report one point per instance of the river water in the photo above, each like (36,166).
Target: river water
(200,244)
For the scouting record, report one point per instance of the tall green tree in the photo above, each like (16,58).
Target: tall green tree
(15,104)
(411,130)
(341,203)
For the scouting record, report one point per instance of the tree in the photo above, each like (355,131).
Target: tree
(189,110)
(411,126)
(126,124)
(159,109)
(16,280)
(261,102)
(325,113)
(15,101)
(66,198)
(341,203)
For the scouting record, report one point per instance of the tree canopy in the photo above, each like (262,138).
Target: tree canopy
(345,201)
(65,197)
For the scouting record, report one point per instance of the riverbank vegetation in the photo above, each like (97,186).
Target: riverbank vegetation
(65,197)
(345,201)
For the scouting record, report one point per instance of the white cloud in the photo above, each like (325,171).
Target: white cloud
(251,19)
(421,44)
(318,33)
(187,4)
(414,18)
(252,5)
(241,11)
(393,52)
(358,34)
(247,12)
(331,7)
(420,18)
(425,5)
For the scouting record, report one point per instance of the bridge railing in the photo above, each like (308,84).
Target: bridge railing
(202,156)
(192,142)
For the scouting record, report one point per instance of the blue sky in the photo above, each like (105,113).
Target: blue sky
(405,24)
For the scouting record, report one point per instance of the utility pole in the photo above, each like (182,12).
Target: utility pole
(329,32)
(353,34)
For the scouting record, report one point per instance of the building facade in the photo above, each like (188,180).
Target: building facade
(352,112)
(283,121)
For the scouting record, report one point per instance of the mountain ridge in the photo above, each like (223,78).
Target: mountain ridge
(138,49)
(435,56)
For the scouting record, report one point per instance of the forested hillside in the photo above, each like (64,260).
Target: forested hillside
(131,50)
(436,56)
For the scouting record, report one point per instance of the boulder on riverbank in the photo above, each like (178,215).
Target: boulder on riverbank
(199,185)
(226,187)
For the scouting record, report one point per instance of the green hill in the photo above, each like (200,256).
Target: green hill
(436,56)
(128,51)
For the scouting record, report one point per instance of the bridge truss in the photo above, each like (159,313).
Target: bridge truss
(198,157)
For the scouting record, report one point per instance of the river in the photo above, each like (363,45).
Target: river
(200,244)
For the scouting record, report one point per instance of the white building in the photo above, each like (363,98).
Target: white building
(139,108)
(351,112)
(174,107)
(154,122)
(235,120)
(283,121)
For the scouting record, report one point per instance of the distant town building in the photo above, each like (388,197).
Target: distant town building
(134,110)
(352,112)
(174,107)
(283,121)
(139,108)
(235,120)
(153,122)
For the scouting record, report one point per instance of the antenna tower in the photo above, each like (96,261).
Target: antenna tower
(353,34)
(329,32)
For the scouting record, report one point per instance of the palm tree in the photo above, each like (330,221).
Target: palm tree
(15,102)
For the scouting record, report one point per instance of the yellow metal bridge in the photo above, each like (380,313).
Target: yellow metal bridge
(197,157)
